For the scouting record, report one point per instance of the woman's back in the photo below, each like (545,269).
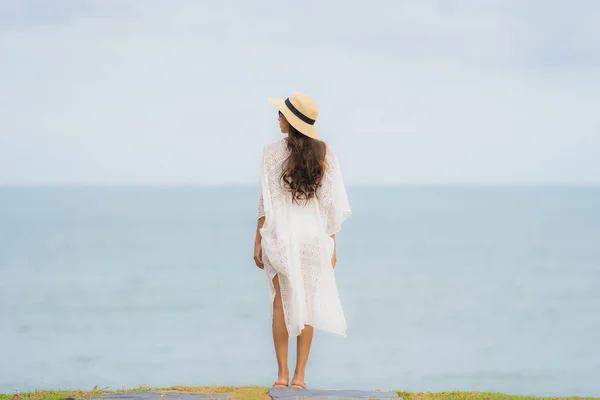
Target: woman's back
(316,212)
(297,241)
(303,216)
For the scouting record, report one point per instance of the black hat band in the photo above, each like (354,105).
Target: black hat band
(297,113)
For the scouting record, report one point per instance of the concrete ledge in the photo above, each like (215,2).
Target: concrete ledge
(291,393)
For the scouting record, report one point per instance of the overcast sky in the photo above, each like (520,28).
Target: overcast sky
(410,92)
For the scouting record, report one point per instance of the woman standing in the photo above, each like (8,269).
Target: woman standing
(302,205)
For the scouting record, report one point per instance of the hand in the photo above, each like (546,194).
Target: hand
(258,255)
(334,258)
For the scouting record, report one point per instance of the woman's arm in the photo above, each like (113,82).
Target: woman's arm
(259,225)
(334,256)
(257,246)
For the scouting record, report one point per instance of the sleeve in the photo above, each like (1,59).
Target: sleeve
(261,206)
(333,199)
(261,203)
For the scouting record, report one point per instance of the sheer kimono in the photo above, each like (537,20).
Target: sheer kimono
(297,244)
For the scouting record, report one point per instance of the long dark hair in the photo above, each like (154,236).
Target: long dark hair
(304,168)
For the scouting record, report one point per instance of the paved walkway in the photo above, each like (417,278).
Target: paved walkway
(290,393)
(275,393)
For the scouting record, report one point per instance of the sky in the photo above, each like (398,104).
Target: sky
(410,92)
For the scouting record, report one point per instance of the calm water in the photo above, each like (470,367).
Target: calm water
(482,288)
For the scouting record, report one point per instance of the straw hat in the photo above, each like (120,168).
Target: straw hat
(300,111)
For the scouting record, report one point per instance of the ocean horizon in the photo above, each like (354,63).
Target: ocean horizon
(445,287)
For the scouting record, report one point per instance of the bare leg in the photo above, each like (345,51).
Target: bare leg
(280,336)
(303,348)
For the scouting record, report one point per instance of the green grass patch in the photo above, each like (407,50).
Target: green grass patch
(237,393)
(479,396)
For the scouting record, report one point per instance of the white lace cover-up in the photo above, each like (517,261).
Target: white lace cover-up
(297,244)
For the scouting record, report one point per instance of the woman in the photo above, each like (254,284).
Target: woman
(302,205)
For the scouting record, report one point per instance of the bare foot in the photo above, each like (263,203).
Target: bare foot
(298,380)
(283,377)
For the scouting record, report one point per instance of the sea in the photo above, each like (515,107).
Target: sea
(444,288)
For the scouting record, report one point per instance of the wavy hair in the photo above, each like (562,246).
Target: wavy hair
(304,168)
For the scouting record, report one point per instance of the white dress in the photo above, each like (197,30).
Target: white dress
(296,243)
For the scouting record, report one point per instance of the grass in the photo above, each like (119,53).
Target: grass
(478,396)
(260,393)
(238,393)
